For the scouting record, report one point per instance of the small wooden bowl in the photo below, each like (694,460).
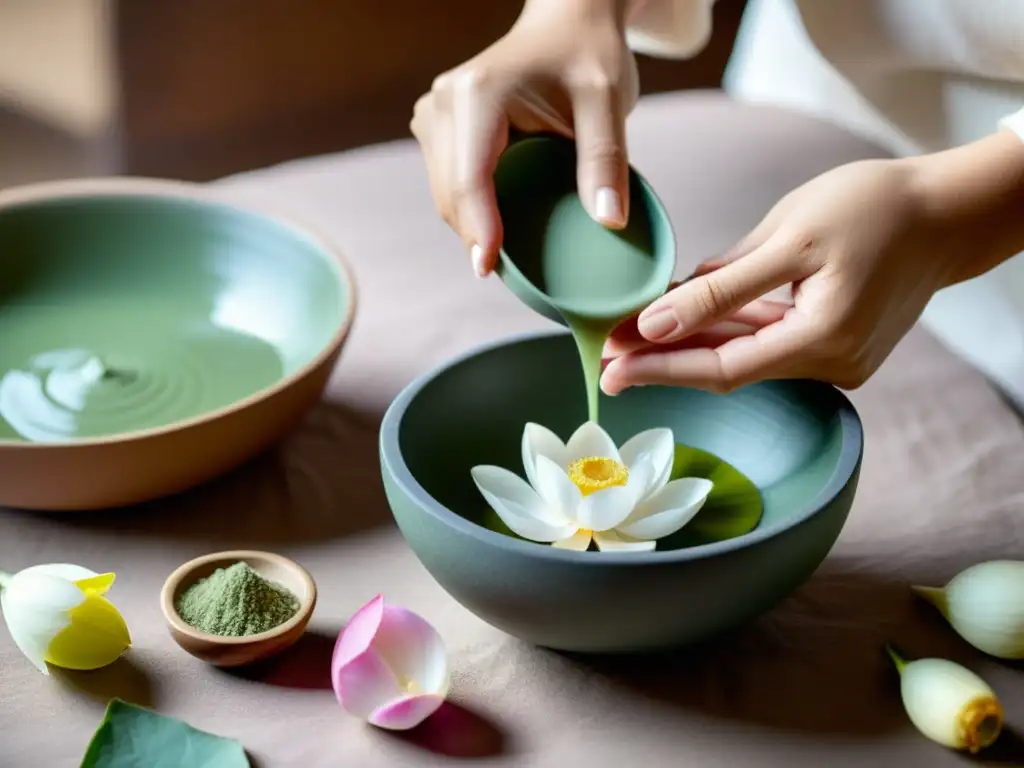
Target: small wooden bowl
(237,651)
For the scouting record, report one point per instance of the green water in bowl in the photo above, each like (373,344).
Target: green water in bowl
(128,313)
(733,508)
(77,370)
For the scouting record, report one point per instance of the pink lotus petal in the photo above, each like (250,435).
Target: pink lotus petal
(406,713)
(414,650)
(385,656)
(361,679)
(365,683)
(357,635)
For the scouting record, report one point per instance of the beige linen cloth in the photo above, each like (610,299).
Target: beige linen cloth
(806,685)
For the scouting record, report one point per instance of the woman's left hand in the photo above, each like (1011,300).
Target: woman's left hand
(863,248)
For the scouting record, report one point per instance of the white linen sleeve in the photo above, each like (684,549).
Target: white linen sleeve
(1015,123)
(669,29)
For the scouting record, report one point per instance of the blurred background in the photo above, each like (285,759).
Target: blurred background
(197,89)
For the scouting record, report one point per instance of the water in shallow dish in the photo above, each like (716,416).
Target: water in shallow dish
(63,379)
(123,314)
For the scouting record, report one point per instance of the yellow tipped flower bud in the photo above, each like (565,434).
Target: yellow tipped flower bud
(57,614)
(948,703)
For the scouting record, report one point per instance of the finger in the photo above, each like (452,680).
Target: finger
(746,245)
(761,312)
(717,262)
(781,350)
(602,165)
(751,241)
(782,294)
(626,338)
(711,298)
(713,337)
(432,131)
(626,332)
(479,134)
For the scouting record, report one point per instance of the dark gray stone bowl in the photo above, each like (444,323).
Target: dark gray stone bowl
(800,442)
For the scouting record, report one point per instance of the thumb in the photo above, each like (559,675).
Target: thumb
(602,163)
(710,298)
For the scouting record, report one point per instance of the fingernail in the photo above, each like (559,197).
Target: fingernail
(476,254)
(657,323)
(608,206)
(610,391)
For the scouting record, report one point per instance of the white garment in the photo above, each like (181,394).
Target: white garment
(914,76)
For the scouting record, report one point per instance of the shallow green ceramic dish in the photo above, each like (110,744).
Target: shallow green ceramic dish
(799,442)
(557,259)
(153,337)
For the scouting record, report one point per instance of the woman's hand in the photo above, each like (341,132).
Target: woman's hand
(565,68)
(862,247)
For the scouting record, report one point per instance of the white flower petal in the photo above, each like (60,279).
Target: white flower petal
(605,509)
(522,524)
(61,570)
(660,446)
(512,489)
(641,475)
(661,479)
(668,510)
(541,441)
(609,541)
(40,591)
(558,492)
(32,629)
(590,440)
(579,542)
(519,506)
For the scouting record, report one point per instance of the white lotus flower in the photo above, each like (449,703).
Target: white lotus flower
(589,490)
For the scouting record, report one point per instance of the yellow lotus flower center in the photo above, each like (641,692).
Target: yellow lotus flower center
(409,686)
(595,473)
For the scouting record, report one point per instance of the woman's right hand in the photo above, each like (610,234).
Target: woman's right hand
(565,68)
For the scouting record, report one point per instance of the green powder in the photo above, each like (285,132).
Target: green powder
(235,602)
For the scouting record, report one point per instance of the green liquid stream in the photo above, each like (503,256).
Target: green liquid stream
(590,337)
